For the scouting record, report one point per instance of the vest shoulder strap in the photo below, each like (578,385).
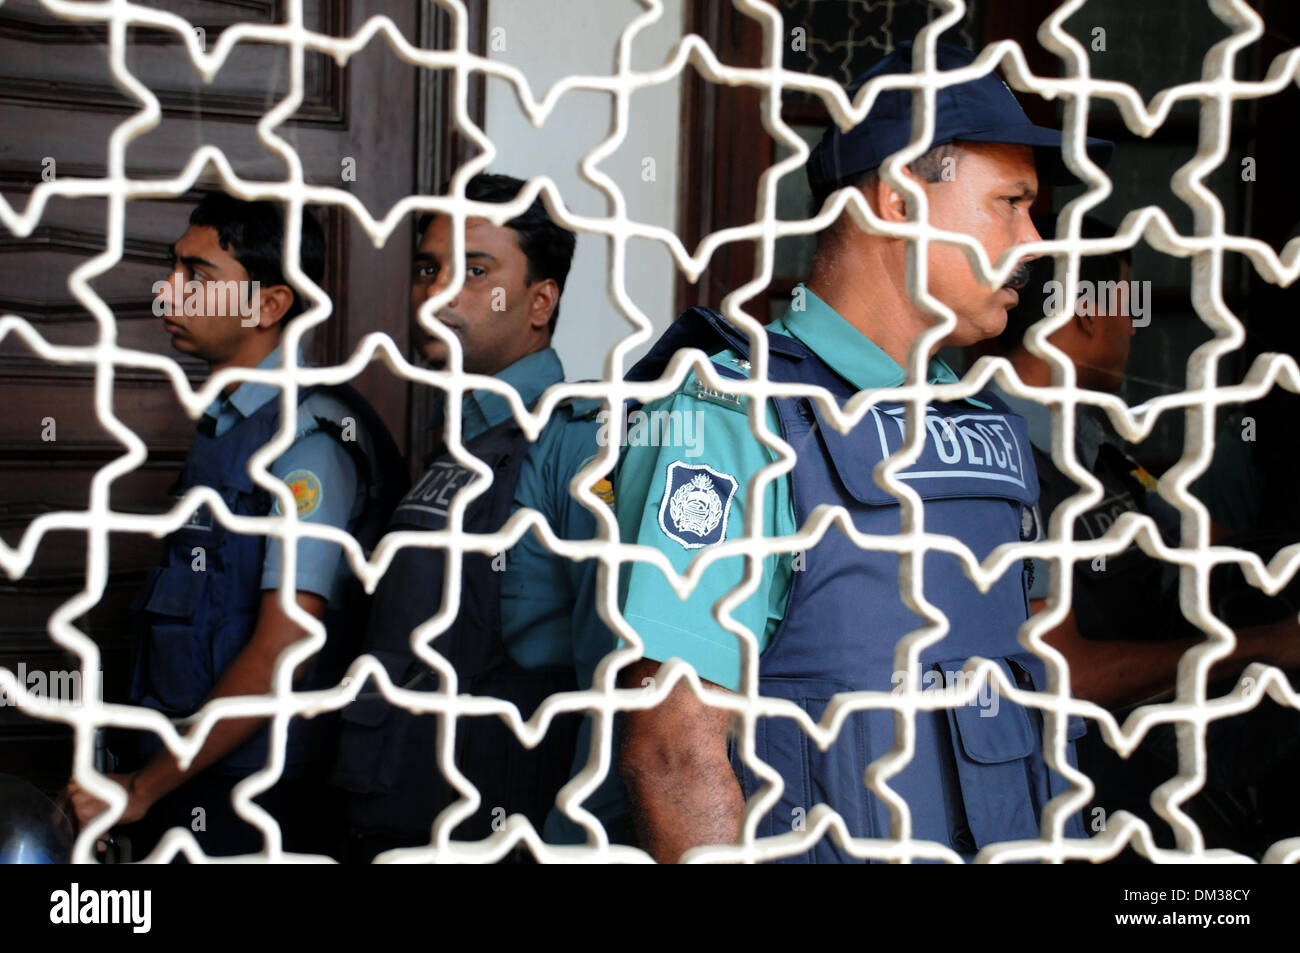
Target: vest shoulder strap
(381,467)
(710,332)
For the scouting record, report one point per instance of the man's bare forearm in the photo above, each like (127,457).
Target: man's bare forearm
(1120,672)
(249,674)
(678,804)
(674,763)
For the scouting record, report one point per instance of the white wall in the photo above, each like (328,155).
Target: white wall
(549,39)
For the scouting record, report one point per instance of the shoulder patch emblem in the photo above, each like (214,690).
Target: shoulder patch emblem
(306,491)
(1149,483)
(605,490)
(697,500)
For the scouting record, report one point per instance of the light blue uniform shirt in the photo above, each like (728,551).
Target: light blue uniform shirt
(317,466)
(671,627)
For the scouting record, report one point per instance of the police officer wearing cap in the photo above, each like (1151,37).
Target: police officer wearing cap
(209,622)
(1125,633)
(1125,629)
(526,626)
(829,620)
(1128,595)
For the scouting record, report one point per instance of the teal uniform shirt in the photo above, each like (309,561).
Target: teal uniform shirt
(671,627)
(548,613)
(317,469)
(543,622)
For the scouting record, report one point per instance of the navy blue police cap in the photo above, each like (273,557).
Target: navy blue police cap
(982,110)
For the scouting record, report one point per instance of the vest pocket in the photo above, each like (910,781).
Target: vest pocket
(171,650)
(1048,782)
(993,743)
(1034,669)
(372,732)
(362,767)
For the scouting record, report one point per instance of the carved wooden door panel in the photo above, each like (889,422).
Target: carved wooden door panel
(59,106)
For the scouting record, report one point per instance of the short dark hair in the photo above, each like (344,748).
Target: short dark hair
(547,246)
(928,167)
(253,232)
(1034,295)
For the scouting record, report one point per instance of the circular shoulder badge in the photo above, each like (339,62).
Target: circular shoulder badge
(306,490)
(605,490)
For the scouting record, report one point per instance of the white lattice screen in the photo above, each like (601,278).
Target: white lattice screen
(1207,246)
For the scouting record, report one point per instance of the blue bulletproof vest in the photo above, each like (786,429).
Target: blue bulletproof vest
(978,774)
(199,606)
(387,755)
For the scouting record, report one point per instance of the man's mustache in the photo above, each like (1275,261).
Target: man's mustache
(449,318)
(1018,278)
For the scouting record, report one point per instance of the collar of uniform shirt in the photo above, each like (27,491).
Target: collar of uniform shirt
(483,409)
(849,352)
(248,398)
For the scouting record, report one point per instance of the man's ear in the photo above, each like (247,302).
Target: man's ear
(545,296)
(1086,322)
(273,303)
(890,205)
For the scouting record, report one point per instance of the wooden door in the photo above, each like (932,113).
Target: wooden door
(58,107)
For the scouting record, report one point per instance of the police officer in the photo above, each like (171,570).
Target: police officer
(526,626)
(829,620)
(1136,588)
(209,623)
(1128,599)
(1125,634)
